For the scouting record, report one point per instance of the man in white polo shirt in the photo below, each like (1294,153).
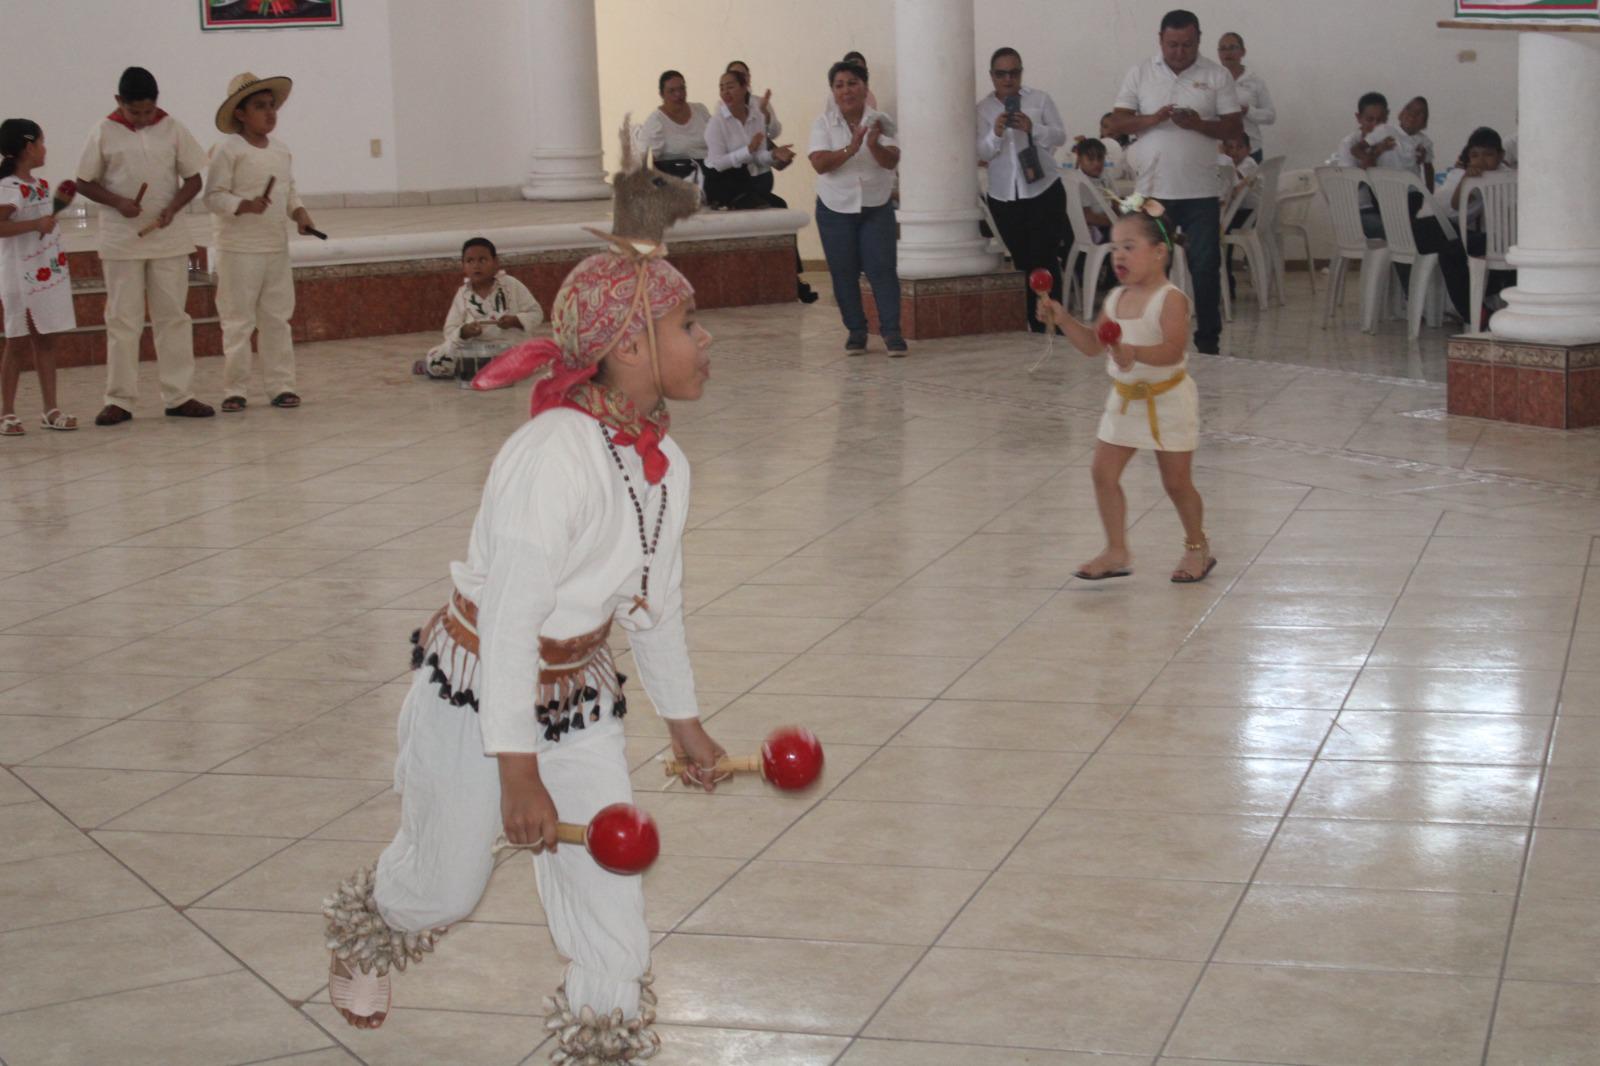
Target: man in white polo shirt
(1180,104)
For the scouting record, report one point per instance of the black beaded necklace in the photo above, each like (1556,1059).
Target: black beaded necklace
(646,545)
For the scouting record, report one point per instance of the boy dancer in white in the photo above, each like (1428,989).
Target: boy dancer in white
(515,715)
(144,167)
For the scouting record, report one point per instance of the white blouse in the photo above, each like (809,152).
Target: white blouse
(667,139)
(1252,92)
(1000,152)
(728,140)
(555,552)
(860,182)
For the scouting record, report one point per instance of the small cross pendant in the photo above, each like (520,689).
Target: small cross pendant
(640,603)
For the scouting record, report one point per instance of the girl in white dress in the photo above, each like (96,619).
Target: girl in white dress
(1153,401)
(35,288)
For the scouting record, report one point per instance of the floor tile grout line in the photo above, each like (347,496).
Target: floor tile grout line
(1540,796)
(1261,859)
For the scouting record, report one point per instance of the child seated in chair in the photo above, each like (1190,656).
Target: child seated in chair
(1091,154)
(491,312)
(1375,143)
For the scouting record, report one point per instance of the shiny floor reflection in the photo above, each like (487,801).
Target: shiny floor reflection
(1336,805)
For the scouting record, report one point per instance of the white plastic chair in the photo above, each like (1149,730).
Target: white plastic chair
(1294,200)
(1498,191)
(1340,188)
(1258,253)
(1083,196)
(1392,190)
(996,246)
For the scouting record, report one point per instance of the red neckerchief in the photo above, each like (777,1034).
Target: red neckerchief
(644,432)
(561,386)
(122,120)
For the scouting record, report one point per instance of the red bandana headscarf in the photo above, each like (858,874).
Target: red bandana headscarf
(605,301)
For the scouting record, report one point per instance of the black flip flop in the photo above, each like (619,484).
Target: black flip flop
(1084,575)
(1190,579)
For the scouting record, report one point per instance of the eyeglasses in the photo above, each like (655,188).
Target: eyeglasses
(1013,72)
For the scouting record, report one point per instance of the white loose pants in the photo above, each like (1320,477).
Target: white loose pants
(438,865)
(255,292)
(165,284)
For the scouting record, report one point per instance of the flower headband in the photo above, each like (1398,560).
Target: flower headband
(1154,208)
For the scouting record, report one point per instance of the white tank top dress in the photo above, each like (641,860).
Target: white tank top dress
(1174,414)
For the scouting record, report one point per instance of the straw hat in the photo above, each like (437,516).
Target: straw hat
(244,85)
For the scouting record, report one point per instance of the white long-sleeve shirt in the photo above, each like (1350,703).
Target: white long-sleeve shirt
(160,157)
(1260,111)
(728,140)
(239,171)
(508,297)
(555,552)
(1000,152)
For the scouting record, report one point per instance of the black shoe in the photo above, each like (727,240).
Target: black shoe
(856,342)
(896,345)
(808,295)
(1208,349)
(1036,327)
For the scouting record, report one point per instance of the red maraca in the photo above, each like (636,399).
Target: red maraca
(790,759)
(621,838)
(1040,280)
(1109,332)
(63,196)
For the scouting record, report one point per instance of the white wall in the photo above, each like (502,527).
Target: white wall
(62,73)
(445,85)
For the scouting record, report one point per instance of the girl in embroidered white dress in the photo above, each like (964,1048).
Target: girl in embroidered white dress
(515,714)
(35,288)
(1142,333)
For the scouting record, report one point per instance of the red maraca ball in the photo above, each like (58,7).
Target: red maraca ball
(67,190)
(1109,333)
(623,839)
(791,758)
(1040,280)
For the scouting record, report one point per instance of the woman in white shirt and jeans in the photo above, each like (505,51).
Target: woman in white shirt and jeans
(855,161)
(675,132)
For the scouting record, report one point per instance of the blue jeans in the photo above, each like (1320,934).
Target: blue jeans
(1201,222)
(862,243)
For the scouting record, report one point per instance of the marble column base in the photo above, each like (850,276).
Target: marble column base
(1551,385)
(957,306)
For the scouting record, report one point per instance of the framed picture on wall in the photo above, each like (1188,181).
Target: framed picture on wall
(269,14)
(1530,12)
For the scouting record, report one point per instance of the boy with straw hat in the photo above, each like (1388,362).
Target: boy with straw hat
(250,173)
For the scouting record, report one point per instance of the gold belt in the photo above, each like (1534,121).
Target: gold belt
(1148,391)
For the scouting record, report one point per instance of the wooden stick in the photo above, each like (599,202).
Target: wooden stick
(149,228)
(267,192)
(728,764)
(138,197)
(566,833)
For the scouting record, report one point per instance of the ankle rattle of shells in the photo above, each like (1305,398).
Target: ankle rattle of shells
(359,937)
(585,1038)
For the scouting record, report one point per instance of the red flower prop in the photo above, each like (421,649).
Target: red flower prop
(1109,333)
(1040,281)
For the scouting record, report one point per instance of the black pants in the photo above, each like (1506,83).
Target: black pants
(739,190)
(1201,223)
(1430,240)
(1033,230)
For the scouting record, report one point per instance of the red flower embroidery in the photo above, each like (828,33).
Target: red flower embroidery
(61,260)
(44,274)
(44,186)
(27,191)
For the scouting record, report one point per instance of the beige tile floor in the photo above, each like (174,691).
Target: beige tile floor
(1337,805)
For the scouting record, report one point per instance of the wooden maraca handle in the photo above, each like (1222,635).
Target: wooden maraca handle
(138,197)
(744,764)
(566,833)
(271,180)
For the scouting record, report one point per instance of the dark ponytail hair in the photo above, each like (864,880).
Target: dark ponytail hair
(1482,137)
(15,136)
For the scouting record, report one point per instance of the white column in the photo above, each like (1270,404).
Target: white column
(1557,255)
(939,155)
(566,103)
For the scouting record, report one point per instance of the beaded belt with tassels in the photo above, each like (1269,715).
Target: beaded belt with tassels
(572,675)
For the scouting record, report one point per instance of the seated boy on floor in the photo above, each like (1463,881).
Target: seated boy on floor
(491,312)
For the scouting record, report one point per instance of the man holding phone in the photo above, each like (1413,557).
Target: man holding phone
(1180,104)
(1018,130)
